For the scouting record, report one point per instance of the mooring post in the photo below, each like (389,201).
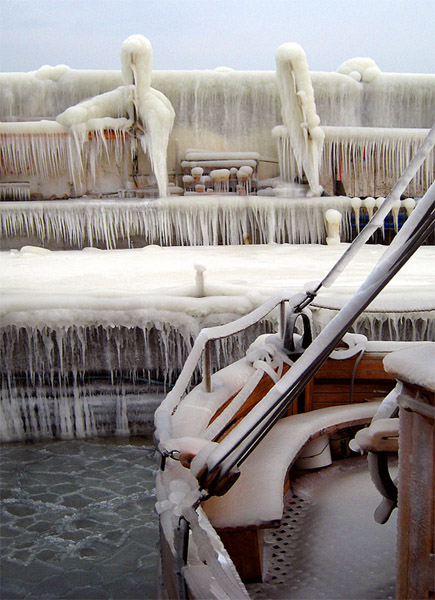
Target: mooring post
(282,319)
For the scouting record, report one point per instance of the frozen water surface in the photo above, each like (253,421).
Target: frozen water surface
(77,520)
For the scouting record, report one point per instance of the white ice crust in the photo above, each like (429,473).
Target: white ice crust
(138,100)
(414,365)
(298,109)
(133,105)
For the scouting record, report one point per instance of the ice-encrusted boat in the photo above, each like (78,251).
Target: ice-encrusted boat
(235,449)
(94,148)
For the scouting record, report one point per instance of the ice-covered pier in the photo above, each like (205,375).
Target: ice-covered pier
(74,322)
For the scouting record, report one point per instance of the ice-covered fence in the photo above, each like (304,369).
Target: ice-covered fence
(14,190)
(367,160)
(176,221)
(35,148)
(46,156)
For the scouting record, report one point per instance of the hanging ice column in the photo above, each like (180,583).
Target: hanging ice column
(301,139)
(145,113)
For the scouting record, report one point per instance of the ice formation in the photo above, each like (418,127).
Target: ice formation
(132,113)
(413,365)
(177,221)
(298,109)
(150,112)
(201,100)
(369,160)
(360,69)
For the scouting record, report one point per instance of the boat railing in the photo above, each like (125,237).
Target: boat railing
(296,302)
(200,353)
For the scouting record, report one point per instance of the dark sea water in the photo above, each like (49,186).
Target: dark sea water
(78,521)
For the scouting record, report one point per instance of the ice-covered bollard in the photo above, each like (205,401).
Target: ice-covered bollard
(333,220)
(206,180)
(356,205)
(243,178)
(369,204)
(409,205)
(197,173)
(188,182)
(199,281)
(247,169)
(220,178)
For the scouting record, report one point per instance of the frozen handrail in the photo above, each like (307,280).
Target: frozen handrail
(169,404)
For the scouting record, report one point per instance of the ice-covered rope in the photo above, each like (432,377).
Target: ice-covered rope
(266,359)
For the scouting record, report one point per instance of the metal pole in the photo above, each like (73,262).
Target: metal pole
(282,319)
(206,368)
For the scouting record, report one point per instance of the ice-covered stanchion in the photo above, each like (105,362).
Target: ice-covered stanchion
(333,220)
(298,109)
(199,281)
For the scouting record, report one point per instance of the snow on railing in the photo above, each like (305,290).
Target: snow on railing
(164,412)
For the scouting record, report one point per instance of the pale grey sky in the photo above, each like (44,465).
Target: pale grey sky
(204,34)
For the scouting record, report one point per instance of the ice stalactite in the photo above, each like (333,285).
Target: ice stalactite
(369,160)
(395,212)
(298,109)
(369,204)
(37,148)
(80,381)
(173,221)
(356,205)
